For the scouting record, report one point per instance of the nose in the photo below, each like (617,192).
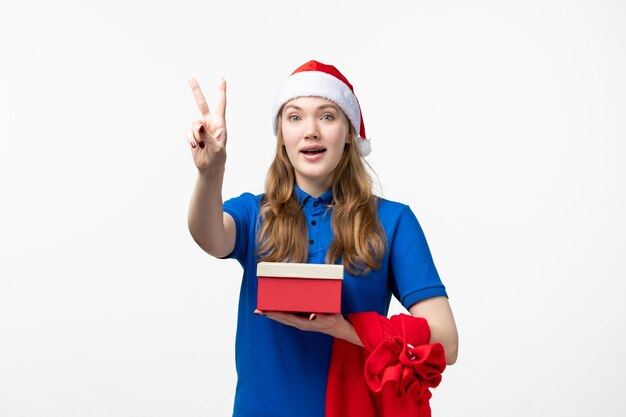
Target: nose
(311,130)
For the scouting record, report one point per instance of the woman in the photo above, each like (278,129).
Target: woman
(318,207)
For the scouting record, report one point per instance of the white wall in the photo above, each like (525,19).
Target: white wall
(500,123)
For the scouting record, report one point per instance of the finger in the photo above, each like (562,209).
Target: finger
(199,133)
(190,139)
(199,130)
(199,97)
(220,106)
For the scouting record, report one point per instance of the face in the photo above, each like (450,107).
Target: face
(315,132)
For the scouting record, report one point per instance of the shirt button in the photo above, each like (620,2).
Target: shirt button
(313,222)
(310,241)
(316,203)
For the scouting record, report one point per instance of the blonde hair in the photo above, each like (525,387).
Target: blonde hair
(359,239)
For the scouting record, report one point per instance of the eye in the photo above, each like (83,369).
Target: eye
(328,117)
(294,118)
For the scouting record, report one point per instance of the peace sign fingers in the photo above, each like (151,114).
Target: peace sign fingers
(220,107)
(209,131)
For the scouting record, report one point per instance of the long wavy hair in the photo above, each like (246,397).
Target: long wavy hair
(359,239)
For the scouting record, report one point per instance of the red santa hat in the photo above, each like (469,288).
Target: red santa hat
(321,80)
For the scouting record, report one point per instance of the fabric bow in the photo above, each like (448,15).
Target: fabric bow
(405,370)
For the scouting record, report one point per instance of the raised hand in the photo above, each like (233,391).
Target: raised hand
(207,136)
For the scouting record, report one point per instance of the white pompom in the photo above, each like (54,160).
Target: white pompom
(364,145)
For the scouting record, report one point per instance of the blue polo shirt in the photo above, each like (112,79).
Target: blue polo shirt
(282,370)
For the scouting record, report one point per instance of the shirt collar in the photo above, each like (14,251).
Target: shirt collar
(303,197)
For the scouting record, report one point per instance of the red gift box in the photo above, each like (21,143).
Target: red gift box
(294,287)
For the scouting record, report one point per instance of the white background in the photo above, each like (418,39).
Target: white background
(502,125)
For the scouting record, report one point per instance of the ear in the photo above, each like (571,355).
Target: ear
(351,134)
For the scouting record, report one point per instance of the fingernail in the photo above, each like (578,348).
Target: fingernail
(193,145)
(313,317)
(201,129)
(201,145)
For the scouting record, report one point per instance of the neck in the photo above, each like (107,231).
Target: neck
(314,188)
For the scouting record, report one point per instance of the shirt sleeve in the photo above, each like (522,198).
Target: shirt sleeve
(243,210)
(413,272)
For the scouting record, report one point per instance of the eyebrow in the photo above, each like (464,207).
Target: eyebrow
(322,107)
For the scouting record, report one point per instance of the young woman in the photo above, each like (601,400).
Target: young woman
(318,207)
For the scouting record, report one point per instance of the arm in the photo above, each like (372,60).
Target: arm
(438,314)
(212,229)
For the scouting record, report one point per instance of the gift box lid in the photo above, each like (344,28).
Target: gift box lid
(299,270)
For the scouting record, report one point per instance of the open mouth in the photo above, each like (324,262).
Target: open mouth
(313,150)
